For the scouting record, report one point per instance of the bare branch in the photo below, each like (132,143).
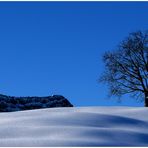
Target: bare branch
(127,67)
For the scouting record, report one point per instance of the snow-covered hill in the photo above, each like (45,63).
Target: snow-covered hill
(77,126)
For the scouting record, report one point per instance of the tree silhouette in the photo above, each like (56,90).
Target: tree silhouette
(126,68)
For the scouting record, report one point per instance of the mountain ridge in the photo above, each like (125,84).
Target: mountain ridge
(13,103)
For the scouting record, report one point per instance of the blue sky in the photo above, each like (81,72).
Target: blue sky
(56,47)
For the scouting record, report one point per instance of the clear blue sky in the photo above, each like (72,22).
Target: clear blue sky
(56,47)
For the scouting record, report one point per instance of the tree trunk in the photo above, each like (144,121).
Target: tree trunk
(146,99)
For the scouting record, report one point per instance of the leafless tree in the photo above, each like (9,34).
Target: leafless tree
(126,68)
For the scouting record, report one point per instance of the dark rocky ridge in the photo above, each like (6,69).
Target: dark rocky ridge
(11,103)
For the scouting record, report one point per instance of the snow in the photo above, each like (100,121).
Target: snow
(75,126)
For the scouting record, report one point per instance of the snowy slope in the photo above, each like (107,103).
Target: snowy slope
(77,126)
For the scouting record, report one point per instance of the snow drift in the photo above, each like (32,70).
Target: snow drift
(77,126)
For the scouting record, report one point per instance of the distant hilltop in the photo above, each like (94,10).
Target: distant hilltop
(11,103)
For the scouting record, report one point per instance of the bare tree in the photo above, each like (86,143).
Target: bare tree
(126,68)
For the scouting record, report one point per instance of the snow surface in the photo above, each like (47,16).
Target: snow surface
(77,126)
